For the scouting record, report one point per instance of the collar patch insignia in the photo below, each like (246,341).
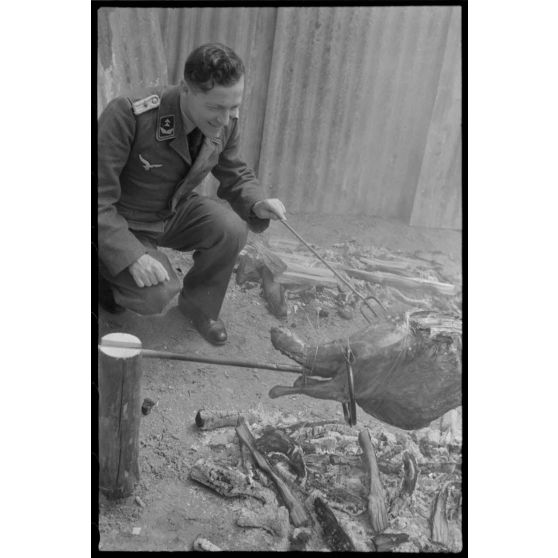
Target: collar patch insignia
(166,127)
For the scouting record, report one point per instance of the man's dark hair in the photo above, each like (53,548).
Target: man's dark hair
(212,64)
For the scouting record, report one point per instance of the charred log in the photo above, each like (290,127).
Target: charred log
(274,440)
(411,473)
(334,535)
(439,519)
(386,542)
(299,517)
(227,481)
(210,419)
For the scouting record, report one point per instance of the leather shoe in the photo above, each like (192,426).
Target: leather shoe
(106,298)
(211,330)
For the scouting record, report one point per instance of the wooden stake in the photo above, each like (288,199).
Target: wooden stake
(119,416)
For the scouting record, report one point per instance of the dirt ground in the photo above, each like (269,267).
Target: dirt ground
(176,508)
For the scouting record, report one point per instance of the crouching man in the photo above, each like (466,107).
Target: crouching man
(152,152)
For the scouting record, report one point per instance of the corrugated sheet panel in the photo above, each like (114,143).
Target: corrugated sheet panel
(131,54)
(351,95)
(438,200)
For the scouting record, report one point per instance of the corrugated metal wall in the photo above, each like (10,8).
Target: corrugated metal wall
(130,52)
(347,109)
(438,197)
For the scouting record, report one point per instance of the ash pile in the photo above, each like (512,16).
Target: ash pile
(326,486)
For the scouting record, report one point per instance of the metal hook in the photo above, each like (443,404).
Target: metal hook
(349,409)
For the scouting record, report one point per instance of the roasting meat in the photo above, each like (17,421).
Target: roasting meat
(406,375)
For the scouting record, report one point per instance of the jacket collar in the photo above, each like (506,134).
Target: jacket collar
(171,106)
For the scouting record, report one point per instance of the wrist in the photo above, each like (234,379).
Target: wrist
(253,209)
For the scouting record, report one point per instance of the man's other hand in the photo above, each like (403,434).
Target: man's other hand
(147,271)
(272,208)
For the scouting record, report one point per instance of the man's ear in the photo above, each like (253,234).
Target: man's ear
(184,87)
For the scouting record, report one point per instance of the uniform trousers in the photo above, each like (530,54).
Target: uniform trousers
(216,235)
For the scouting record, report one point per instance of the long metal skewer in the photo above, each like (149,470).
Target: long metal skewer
(148,353)
(336,273)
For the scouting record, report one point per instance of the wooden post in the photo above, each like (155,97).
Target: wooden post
(119,415)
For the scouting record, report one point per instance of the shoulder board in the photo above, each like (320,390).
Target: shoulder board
(143,105)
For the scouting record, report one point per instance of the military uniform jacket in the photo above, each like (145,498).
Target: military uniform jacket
(145,169)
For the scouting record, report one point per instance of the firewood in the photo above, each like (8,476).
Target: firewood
(438,519)
(296,278)
(449,428)
(385,265)
(254,257)
(274,293)
(269,259)
(410,476)
(256,262)
(227,481)
(436,467)
(249,466)
(283,469)
(341,498)
(299,517)
(203,545)
(376,498)
(308,269)
(210,419)
(385,467)
(249,265)
(411,471)
(407,300)
(274,440)
(402,282)
(294,258)
(334,535)
(386,542)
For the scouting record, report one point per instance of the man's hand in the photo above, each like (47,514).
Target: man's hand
(147,271)
(272,208)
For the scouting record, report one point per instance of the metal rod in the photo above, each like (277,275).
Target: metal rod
(336,273)
(148,353)
(243,363)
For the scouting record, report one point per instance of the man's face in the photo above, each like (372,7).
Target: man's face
(213,110)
